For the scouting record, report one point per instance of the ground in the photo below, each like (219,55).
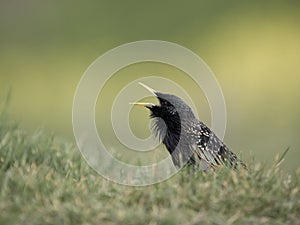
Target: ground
(44,180)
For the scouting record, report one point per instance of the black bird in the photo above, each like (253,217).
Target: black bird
(188,140)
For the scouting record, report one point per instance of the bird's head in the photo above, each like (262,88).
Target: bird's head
(172,117)
(171,108)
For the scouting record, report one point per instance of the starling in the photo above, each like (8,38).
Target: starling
(188,140)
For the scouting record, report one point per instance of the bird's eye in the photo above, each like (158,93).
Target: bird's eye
(164,103)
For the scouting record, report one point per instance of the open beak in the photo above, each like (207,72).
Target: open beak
(149,89)
(146,104)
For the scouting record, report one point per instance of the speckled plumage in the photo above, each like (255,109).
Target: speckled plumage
(188,140)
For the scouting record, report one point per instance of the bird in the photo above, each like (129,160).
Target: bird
(188,140)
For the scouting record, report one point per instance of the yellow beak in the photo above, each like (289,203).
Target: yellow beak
(148,88)
(146,104)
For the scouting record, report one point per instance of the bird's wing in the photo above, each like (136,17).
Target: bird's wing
(208,147)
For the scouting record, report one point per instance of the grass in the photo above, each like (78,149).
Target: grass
(44,180)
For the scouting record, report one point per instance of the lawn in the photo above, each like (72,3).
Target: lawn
(44,180)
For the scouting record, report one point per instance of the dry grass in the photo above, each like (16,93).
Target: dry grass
(46,181)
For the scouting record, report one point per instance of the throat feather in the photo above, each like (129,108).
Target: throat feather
(167,132)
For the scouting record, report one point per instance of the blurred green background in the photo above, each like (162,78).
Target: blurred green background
(253,47)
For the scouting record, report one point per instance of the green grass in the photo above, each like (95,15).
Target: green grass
(44,180)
